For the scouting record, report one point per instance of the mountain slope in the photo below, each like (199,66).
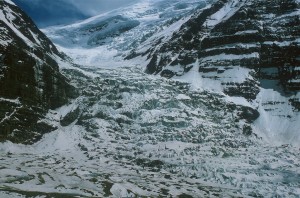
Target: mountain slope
(105,37)
(245,49)
(30,81)
(226,25)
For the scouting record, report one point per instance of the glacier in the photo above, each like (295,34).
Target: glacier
(130,134)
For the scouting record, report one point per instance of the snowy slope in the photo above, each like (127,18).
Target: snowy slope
(110,34)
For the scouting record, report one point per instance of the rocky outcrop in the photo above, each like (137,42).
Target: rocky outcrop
(30,81)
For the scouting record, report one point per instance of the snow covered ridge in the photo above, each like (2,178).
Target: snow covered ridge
(124,28)
(28,71)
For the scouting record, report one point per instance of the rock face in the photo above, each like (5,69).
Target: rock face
(243,48)
(231,35)
(260,35)
(30,81)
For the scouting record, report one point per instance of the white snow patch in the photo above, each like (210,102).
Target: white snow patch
(174,145)
(101,57)
(9,147)
(246,32)
(278,123)
(182,97)
(234,46)
(64,110)
(224,56)
(35,37)
(119,190)
(238,100)
(67,65)
(283,43)
(61,140)
(15,101)
(6,15)
(229,9)
(193,77)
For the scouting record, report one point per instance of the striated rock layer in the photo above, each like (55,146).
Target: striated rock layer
(30,81)
(260,35)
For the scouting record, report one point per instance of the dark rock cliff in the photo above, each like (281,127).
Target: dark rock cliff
(30,81)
